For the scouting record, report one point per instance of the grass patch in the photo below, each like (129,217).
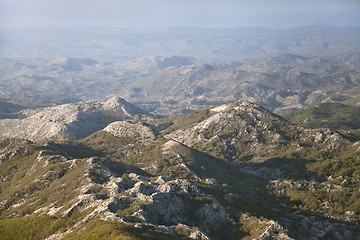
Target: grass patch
(98,229)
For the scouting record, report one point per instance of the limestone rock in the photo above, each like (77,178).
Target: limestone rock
(68,121)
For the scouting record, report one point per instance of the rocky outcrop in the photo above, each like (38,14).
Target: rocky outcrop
(292,183)
(241,126)
(137,200)
(128,129)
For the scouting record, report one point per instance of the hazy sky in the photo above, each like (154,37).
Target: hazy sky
(167,13)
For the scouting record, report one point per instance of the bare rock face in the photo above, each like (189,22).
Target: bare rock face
(130,129)
(68,121)
(136,199)
(233,126)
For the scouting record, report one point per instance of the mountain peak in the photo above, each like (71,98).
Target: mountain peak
(118,103)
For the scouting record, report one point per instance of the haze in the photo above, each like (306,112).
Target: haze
(166,13)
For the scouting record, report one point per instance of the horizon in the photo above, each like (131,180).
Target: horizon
(84,26)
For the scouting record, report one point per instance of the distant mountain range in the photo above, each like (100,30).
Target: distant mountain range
(179,85)
(206,45)
(280,83)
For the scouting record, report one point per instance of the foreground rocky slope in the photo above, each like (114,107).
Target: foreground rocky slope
(236,171)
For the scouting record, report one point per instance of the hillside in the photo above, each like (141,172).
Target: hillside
(337,116)
(68,121)
(235,171)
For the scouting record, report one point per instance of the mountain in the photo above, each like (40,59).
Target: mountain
(27,81)
(68,121)
(288,62)
(235,171)
(348,59)
(280,83)
(242,130)
(178,85)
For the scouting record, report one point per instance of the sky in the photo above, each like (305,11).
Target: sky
(171,13)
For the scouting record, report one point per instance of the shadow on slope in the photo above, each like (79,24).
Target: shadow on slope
(242,192)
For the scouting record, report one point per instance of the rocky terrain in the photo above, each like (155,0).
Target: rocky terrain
(235,171)
(199,153)
(280,83)
(68,121)
(36,82)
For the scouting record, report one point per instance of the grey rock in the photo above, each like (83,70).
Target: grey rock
(69,121)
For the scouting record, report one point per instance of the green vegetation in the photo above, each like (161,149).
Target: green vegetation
(32,227)
(107,145)
(187,121)
(98,230)
(131,208)
(38,226)
(319,179)
(337,116)
(41,227)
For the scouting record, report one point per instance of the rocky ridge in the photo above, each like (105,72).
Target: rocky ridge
(68,121)
(228,172)
(238,127)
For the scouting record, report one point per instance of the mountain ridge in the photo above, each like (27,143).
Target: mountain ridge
(153,176)
(179,85)
(69,121)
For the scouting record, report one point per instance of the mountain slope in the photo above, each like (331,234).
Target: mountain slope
(337,116)
(179,175)
(69,121)
(9,110)
(331,115)
(231,131)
